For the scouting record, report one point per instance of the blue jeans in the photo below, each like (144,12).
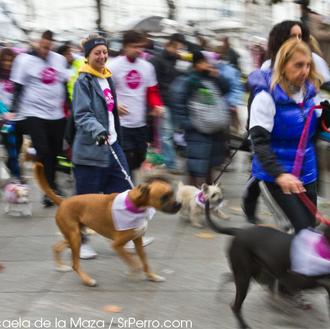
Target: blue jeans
(166,137)
(92,179)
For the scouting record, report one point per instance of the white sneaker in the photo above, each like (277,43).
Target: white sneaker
(146,241)
(87,252)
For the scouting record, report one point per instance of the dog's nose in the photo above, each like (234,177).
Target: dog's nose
(177,206)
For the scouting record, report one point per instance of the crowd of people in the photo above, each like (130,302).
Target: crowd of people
(115,108)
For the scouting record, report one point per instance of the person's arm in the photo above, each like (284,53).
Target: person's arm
(261,126)
(84,114)
(180,91)
(154,99)
(18,77)
(325,116)
(18,91)
(235,93)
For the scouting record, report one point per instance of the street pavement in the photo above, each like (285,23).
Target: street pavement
(196,295)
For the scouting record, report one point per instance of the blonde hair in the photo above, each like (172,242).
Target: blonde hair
(285,53)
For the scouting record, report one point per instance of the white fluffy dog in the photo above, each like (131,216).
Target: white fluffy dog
(193,202)
(16,199)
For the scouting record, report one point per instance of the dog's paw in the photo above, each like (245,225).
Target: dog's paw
(155,277)
(222,215)
(198,225)
(91,283)
(63,268)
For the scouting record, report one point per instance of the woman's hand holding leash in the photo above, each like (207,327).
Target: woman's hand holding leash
(102,138)
(290,184)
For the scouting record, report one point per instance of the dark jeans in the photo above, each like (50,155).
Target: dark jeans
(134,143)
(92,179)
(13,142)
(296,212)
(47,139)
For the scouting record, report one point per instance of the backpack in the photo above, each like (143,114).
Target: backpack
(208,110)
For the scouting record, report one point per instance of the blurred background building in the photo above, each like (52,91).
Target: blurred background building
(76,16)
(246,22)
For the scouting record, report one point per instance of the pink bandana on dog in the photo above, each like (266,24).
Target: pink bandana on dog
(201,200)
(323,248)
(310,253)
(126,215)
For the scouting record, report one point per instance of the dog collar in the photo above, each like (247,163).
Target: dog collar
(322,247)
(131,207)
(200,199)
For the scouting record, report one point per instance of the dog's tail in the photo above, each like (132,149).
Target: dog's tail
(216,227)
(39,174)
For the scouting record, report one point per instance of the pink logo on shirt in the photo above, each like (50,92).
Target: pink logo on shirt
(133,79)
(8,86)
(48,75)
(109,99)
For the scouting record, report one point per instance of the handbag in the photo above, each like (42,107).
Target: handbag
(208,110)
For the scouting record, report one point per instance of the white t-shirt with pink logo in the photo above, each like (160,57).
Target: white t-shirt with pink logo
(131,81)
(110,106)
(43,80)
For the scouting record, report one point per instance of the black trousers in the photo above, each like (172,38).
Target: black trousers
(47,139)
(134,144)
(296,212)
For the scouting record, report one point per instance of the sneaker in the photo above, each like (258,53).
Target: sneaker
(146,241)
(87,252)
(46,202)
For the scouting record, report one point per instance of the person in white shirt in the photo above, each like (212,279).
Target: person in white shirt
(39,78)
(137,88)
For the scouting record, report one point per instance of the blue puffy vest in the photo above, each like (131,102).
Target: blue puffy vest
(289,122)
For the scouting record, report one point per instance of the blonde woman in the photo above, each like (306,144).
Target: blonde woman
(278,115)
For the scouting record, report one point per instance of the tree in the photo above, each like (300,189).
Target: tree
(171,9)
(99,15)
(10,15)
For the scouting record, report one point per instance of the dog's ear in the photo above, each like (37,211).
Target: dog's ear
(205,188)
(144,190)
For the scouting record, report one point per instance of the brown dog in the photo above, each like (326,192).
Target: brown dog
(95,212)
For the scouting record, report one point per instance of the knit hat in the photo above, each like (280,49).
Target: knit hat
(197,57)
(302,2)
(92,43)
(178,37)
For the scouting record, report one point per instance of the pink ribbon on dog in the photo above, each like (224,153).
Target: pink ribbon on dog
(201,197)
(322,248)
(131,207)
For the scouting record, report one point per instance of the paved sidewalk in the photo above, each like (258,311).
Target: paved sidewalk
(195,268)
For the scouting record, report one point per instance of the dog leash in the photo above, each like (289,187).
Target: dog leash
(231,158)
(127,176)
(298,165)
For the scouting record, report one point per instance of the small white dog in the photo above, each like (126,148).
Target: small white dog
(193,202)
(16,199)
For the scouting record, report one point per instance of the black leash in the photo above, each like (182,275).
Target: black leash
(245,139)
